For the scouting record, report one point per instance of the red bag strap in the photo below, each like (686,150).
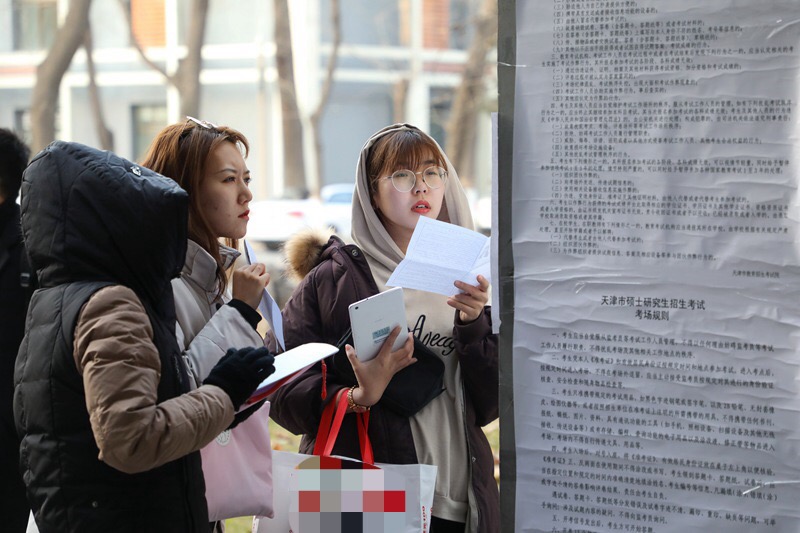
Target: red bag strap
(331,424)
(363,438)
(325,423)
(336,426)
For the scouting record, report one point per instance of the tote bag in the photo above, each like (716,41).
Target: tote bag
(237,466)
(323,493)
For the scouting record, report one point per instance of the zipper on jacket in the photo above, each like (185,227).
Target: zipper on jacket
(474,524)
(184,461)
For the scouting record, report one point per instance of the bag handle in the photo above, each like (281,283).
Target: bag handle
(363,438)
(344,338)
(324,429)
(332,417)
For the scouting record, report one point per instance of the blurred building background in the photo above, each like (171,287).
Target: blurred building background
(395,60)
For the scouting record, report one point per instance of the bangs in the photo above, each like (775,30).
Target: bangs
(407,149)
(412,151)
(232,136)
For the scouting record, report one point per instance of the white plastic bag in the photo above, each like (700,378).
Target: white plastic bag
(420,481)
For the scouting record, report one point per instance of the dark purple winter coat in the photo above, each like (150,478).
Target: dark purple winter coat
(335,276)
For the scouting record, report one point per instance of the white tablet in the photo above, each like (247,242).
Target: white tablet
(373,318)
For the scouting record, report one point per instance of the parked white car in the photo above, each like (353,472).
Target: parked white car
(336,208)
(272,222)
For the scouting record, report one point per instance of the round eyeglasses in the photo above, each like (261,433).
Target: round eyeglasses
(404,180)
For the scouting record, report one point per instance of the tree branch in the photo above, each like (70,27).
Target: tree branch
(51,71)
(126,11)
(336,26)
(316,116)
(187,76)
(294,178)
(460,144)
(103,133)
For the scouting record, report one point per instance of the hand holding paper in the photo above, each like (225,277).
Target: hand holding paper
(289,365)
(471,300)
(268,307)
(439,254)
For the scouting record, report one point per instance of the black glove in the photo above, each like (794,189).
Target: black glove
(239,372)
(244,414)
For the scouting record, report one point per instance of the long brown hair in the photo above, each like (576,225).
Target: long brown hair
(410,147)
(180,151)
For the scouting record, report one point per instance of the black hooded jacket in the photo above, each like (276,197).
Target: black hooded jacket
(92,219)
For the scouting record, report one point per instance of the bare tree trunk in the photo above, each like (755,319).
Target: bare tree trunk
(400,89)
(126,12)
(104,134)
(51,71)
(316,116)
(469,96)
(294,178)
(187,77)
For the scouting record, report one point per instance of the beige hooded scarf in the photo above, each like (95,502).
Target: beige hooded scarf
(431,320)
(368,231)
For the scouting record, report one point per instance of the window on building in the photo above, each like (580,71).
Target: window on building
(441,103)
(462,22)
(149,22)
(35,24)
(23,124)
(147,121)
(376,22)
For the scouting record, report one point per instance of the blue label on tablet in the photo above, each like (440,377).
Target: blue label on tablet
(379,334)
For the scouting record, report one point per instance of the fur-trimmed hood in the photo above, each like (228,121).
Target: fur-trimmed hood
(303,251)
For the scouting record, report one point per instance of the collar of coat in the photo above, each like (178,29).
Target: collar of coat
(201,269)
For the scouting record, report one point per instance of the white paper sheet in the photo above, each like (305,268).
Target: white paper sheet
(657,267)
(290,364)
(439,254)
(268,306)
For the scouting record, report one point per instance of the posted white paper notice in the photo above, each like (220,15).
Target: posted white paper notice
(439,254)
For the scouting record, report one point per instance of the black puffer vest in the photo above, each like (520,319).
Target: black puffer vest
(82,235)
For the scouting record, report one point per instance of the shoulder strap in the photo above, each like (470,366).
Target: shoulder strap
(347,338)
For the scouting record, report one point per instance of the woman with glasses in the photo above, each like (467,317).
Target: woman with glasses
(402,175)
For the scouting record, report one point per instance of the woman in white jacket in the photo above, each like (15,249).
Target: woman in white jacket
(208,161)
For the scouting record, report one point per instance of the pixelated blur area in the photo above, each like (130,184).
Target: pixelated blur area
(343,496)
